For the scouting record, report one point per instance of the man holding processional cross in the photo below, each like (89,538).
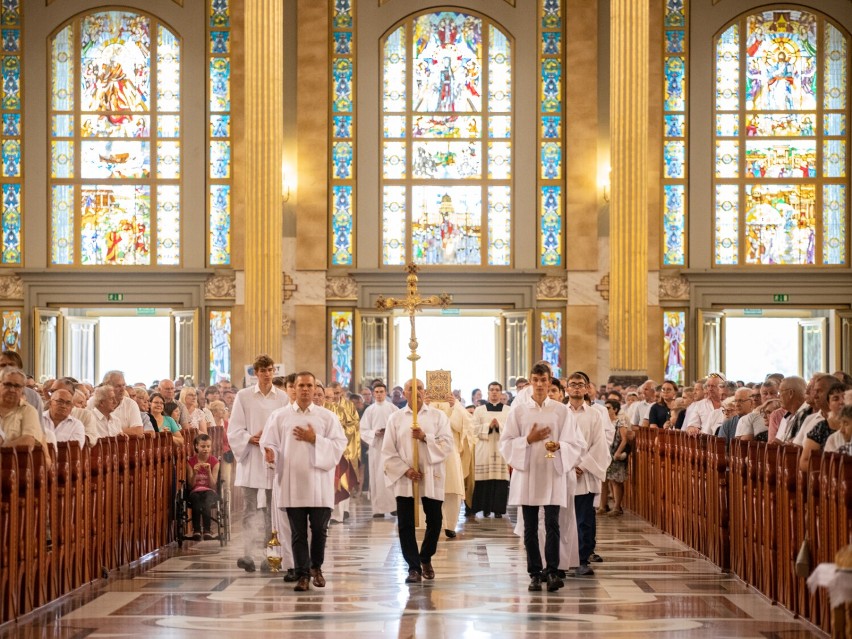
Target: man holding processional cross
(411,431)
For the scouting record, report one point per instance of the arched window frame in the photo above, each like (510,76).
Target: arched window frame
(390,145)
(730,212)
(164,137)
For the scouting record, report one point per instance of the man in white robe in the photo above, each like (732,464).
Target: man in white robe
(434,444)
(304,442)
(373,423)
(491,490)
(591,469)
(454,487)
(252,407)
(540,451)
(278,518)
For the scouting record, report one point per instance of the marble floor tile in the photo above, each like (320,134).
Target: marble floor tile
(648,585)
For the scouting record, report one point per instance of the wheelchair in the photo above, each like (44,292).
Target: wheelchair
(220,513)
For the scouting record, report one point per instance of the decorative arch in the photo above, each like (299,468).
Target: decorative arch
(115,141)
(781,127)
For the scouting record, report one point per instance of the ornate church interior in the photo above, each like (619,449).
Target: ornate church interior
(654,189)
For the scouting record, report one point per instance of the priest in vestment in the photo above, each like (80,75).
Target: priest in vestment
(491,490)
(461,427)
(346,479)
(373,424)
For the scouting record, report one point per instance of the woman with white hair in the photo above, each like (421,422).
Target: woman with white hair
(197,418)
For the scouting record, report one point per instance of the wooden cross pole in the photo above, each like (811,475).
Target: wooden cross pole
(412,303)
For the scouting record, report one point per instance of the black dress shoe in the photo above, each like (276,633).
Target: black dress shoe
(596,558)
(451,534)
(393,513)
(428,571)
(345,516)
(246,563)
(414,577)
(290,576)
(378,515)
(554,583)
(304,584)
(535,584)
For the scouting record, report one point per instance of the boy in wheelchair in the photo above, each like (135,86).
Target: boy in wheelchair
(202,480)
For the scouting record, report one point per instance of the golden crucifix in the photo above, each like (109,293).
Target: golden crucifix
(412,303)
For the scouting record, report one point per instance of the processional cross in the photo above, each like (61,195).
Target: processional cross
(412,303)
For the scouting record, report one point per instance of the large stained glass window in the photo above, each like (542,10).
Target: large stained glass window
(219,134)
(342,132)
(782,142)
(11,139)
(674,169)
(115,147)
(551,123)
(342,354)
(220,345)
(550,327)
(447,142)
(674,345)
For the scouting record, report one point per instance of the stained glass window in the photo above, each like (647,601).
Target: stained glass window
(219,133)
(115,146)
(446,143)
(343,133)
(674,345)
(550,326)
(11,330)
(342,335)
(781,159)
(11,135)
(674,173)
(220,345)
(550,133)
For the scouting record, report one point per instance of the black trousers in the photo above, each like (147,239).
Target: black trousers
(551,539)
(407,537)
(299,518)
(584,509)
(201,502)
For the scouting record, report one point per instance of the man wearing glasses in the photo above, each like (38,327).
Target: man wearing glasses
(57,418)
(18,420)
(706,416)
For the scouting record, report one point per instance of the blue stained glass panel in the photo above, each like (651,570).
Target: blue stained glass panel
(341,226)
(499,225)
(551,340)
(674,13)
(220,224)
(220,85)
(674,345)
(342,335)
(11,158)
(673,159)
(168,71)
(675,40)
(674,126)
(11,40)
(11,224)
(551,86)
(674,225)
(220,159)
(341,156)
(12,331)
(11,82)
(61,224)
(551,161)
(834,124)
(551,226)
(728,70)
(220,126)
(834,223)
(393,226)
(168,224)
(727,224)
(342,18)
(220,346)
(834,158)
(12,124)
(393,96)
(551,43)
(551,15)
(62,159)
(11,16)
(342,43)
(342,85)
(343,127)
(551,127)
(499,72)
(220,42)
(674,71)
(836,71)
(220,14)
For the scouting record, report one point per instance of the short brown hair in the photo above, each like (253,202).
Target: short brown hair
(263,361)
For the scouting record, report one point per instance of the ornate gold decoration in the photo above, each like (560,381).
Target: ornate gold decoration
(286,322)
(552,288)
(439,385)
(11,287)
(603,287)
(675,287)
(603,326)
(288,287)
(341,288)
(220,286)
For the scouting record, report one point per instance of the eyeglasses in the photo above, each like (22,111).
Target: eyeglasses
(11,386)
(576,385)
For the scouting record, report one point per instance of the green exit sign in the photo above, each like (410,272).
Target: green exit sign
(780,297)
(115,297)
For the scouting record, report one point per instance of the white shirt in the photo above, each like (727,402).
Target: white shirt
(640,410)
(304,471)
(86,416)
(595,459)
(126,413)
(376,418)
(106,426)
(69,429)
(699,417)
(249,414)
(751,424)
(398,452)
(538,480)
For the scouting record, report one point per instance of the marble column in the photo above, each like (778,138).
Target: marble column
(628,314)
(264,144)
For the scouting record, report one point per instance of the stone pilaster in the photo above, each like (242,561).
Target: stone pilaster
(628,316)
(264,134)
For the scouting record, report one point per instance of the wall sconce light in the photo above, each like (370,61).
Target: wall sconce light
(285,183)
(604,174)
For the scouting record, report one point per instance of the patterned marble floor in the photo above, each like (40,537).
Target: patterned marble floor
(648,585)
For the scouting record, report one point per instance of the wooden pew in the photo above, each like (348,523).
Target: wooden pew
(9,537)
